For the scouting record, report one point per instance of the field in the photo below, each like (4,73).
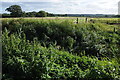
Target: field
(61,48)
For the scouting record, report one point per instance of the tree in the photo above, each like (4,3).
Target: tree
(23,14)
(41,14)
(15,10)
(31,14)
(5,15)
(50,14)
(118,16)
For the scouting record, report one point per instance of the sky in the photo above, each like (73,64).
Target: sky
(65,6)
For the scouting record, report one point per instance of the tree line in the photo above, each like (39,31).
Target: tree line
(16,11)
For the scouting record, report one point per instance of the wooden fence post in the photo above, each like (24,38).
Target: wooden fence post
(114,29)
(77,21)
(86,20)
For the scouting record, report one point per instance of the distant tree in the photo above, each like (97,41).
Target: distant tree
(15,10)
(118,16)
(5,15)
(41,14)
(0,14)
(65,14)
(50,15)
(31,14)
(23,14)
(106,15)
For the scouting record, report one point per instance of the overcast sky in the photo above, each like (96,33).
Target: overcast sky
(65,6)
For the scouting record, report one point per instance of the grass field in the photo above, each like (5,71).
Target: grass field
(61,48)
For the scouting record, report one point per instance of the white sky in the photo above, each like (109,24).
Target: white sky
(66,6)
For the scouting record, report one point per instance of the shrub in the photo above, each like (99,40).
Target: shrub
(96,39)
(24,59)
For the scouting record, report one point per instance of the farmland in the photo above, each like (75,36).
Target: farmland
(61,48)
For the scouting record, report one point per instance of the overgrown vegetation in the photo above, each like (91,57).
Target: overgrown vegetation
(60,49)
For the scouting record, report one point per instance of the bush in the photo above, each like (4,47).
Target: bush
(24,59)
